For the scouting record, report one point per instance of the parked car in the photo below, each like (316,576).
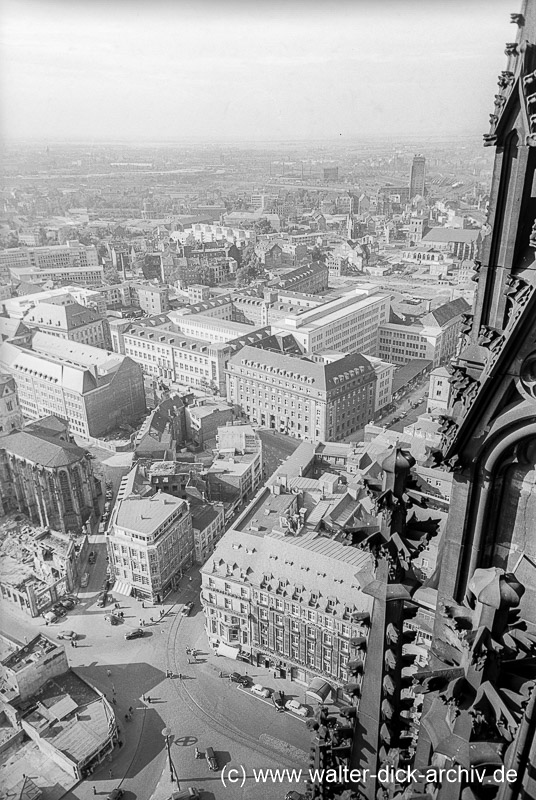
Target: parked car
(211,758)
(297,708)
(260,691)
(85,580)
(58,609)
(292,795)
(67,603)
(137,633)
(278,699)
(185,794)
(185,610)
(105,584)
(50,616)
(236,677)
(92,557)
(102,527)
(103,599)
(115,794)
(68,635)
(112,619)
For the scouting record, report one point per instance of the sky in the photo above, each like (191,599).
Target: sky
(175,70)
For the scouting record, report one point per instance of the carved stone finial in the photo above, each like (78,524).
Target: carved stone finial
(532,238)
(489,139)
(511,49)
(517,19)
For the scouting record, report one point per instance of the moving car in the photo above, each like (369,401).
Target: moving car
(260,691)
(137,633)
(185,611)
(211,759)
(292,795)
(185,794)
(68,635)
(103,599)
(115,794)
(92,557)
(278,699)
(112,619)
(236,677)
(297,708)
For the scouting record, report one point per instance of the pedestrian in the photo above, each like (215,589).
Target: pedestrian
(142,604)
(190,580)
(122,615)
(130,709)
(72,643)
(94,790)
(141,622)
(179,676)
(221,674)
(114,701)
(120,743)
(46,622)
(143,698)
(109,673)
(148,699)
(152,620)
(111,774)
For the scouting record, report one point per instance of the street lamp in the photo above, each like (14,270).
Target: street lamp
(166,733)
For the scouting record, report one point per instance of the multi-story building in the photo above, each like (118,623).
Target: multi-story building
(82,276)
(204,417)
(417,176)
(17,307)
(418,227)
(151,298)
(297,396)
(437,262)
(10,413)
(150,543)
(94,389)
(439,391)
(237,470)
(208,523)
(210,328)
(281,593)
(72,321)
(48,478)
(72,254)
(311,278)
(349,323)
(433,337)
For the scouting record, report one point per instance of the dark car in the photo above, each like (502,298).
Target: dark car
(185,611)
(137,633)
(67,603)
(236,677)
(105,585)
(115,794)
(103,599)
(278,699)
(211,759)
(292,795)
(58,609)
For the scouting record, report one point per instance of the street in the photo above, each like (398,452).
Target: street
(200,708)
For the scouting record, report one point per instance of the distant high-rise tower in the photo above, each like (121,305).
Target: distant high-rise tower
(417,175)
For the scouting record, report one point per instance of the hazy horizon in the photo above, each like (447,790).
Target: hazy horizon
(126,72)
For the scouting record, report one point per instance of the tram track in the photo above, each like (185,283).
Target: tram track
(216,721)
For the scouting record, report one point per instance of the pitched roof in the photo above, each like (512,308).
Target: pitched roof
(448,311)
(68,317)
(40,449)
(452,235)
(322,376)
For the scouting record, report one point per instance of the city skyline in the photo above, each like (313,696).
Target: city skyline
(164,72)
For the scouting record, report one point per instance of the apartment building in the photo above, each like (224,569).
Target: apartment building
(94,389)
(237,470)
(208,524)
(204,417)
(150,543)
(72,321)
(433,337)
(297,396)
(439,391)
(383,394)
(349,323)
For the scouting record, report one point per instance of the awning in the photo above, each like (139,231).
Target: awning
(122,587)
(319,689)
(227,651)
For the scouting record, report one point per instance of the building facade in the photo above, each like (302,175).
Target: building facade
(297,396)
(150,544)
(68,321)
(10,412)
